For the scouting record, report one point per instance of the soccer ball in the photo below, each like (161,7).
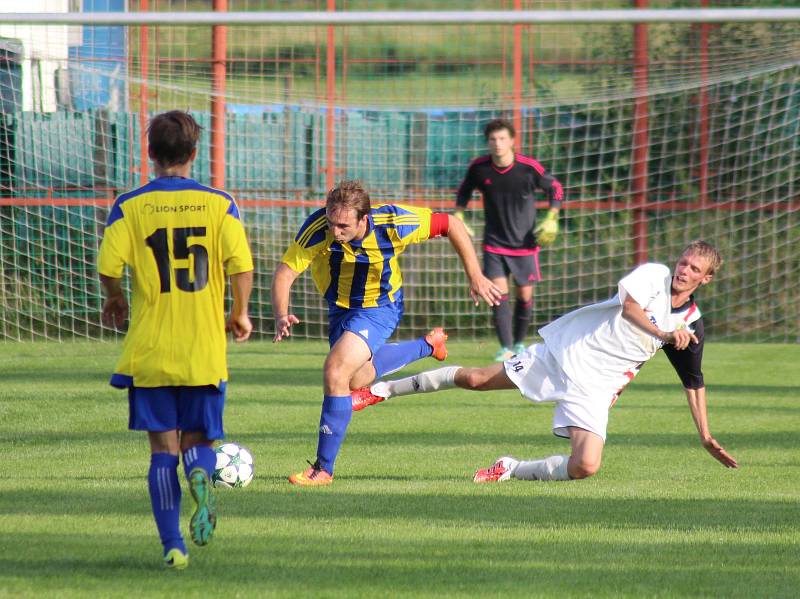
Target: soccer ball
(234,466)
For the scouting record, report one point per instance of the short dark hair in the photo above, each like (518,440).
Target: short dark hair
(498,125)
(172,137)
(349,195)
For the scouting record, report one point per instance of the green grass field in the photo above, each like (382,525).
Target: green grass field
(661,519)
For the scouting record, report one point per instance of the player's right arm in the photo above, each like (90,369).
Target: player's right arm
(238,261)
(310,240)
(462,198)
(239,321)
(633,312)
(281,287)
(634,289)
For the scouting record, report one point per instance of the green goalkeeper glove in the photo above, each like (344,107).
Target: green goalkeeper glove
(459,214)
(547,230)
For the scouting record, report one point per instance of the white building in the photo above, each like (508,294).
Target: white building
(44,52)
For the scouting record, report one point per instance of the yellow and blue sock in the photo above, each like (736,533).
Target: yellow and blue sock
(393,356)
(199,456)
(165,499)
(336,413)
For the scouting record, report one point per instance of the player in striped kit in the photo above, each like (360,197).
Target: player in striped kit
(587,358)
(508,182)
(352,249)
(179,240)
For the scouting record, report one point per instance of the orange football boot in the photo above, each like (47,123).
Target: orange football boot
(314,476)
(436,339)
(364,397)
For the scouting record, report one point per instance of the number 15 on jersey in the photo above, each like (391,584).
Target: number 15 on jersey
(182,250)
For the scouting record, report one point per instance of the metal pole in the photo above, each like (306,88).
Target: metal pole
(144,73)
(330,117)
(641,138)
(704,134)
(219,50)
(474,17)
(517,66)
(530,122)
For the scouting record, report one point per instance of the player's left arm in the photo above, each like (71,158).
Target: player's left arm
(687,365)
(697,404)
(479,286)
(115,252)
(547,230)
(115,306)
(421,224)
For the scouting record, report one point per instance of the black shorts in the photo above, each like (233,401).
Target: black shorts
(525,268)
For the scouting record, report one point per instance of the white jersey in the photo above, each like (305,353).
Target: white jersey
(598,349)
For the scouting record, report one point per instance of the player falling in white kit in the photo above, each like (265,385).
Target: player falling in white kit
(587,358)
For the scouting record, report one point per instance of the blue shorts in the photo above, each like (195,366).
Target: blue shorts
(373,325)
(188,409)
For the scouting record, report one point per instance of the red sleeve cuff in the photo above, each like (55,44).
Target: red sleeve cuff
(440,224)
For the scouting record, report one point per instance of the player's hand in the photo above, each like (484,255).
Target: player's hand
(719,454)
(115,311)
(282,326)
(459,214)
(482,288)
(680,338)
(547,230)
(240,326)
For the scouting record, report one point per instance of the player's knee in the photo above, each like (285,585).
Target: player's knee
(333,373)
(472,379)
(579,468)
(363,376)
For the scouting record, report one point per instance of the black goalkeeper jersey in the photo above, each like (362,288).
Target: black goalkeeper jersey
(509,202)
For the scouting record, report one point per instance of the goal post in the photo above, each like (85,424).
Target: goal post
(663,125)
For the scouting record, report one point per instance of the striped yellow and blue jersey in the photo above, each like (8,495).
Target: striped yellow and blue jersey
(361,273)
(178,238)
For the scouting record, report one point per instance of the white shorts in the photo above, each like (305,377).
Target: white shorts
(539,377)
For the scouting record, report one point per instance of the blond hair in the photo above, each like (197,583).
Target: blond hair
(707,251)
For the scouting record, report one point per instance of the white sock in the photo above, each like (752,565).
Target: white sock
(552,468)
(424,382)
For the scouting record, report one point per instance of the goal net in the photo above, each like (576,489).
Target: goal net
(661,133)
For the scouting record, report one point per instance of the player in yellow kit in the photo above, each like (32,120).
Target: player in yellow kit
(179,239)
(352,249)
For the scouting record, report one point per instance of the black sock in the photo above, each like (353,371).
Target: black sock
(522,320)
(502,321)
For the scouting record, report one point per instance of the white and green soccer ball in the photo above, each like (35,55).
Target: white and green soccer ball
(234,466)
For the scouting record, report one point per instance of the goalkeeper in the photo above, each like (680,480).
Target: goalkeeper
(508,182)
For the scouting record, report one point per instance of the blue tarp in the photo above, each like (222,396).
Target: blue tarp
(98,67)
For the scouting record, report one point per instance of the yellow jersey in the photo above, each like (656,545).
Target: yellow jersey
(178,238)
(361,273)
